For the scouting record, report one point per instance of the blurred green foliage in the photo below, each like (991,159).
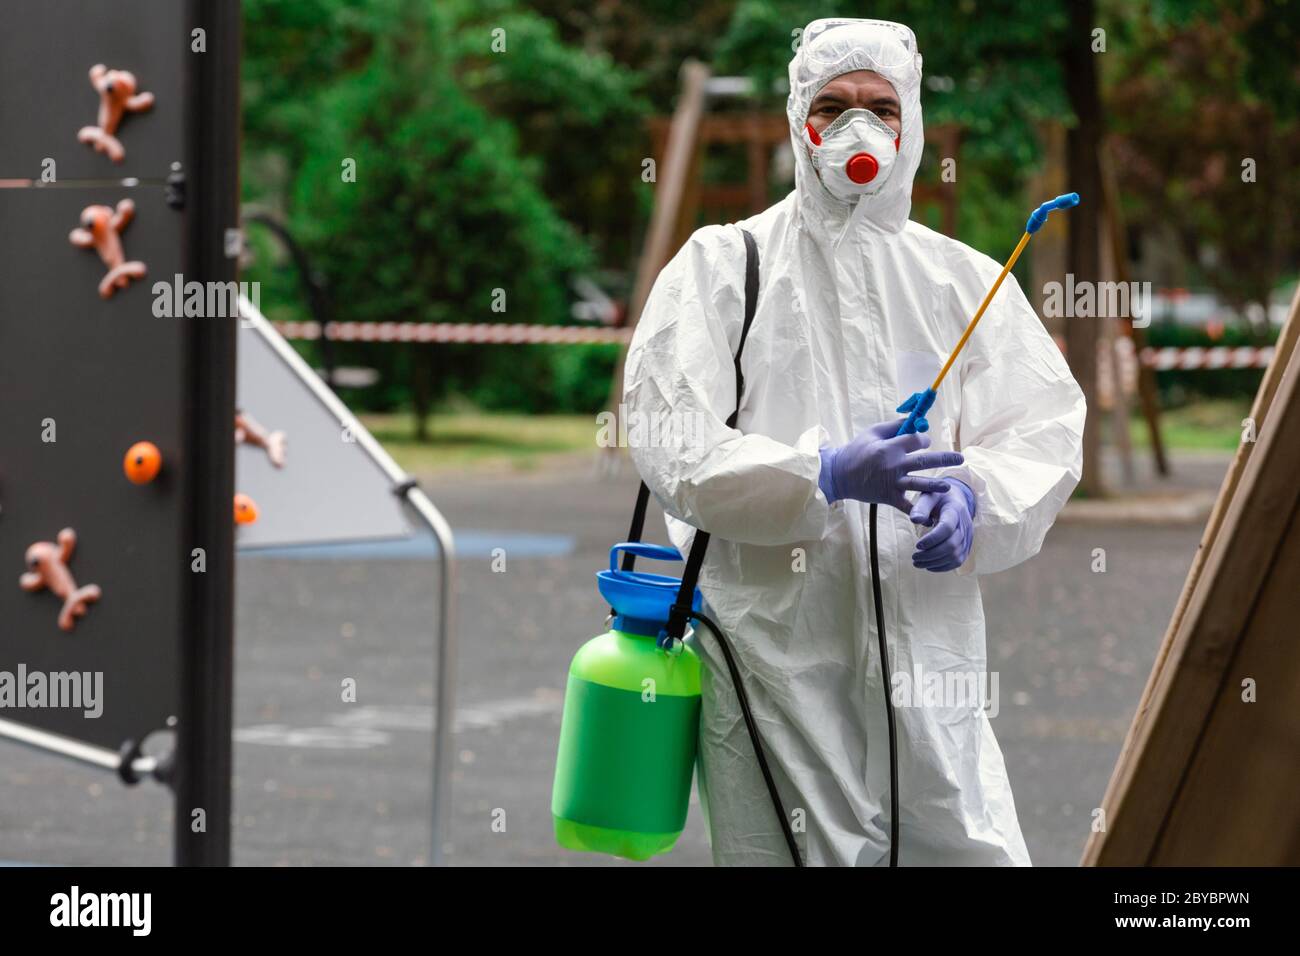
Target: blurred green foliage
(446,218)
(480,168)
(1205,136)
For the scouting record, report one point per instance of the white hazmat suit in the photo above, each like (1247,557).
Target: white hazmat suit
(857,308)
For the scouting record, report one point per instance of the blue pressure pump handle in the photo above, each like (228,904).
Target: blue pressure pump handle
(917,404)
(1039,215)
(655,552)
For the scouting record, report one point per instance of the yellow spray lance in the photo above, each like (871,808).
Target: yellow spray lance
(918,403)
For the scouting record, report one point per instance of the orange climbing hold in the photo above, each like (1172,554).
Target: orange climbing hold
(142,463)
(245,510)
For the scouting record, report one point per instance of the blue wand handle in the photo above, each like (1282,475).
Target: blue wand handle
(1039,215)
(917,404)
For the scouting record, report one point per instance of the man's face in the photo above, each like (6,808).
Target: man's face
(860,89)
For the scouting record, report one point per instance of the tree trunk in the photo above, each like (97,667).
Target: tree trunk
(1082,334)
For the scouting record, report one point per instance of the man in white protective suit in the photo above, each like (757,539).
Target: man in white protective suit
(857,309)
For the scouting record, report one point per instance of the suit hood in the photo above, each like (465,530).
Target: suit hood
(831,48)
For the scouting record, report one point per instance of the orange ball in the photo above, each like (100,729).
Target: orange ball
(142,463)
(245,510)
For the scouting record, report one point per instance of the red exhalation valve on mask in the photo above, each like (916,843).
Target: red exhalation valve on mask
(862,168)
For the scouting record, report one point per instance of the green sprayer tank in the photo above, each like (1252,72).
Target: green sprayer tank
(631,716)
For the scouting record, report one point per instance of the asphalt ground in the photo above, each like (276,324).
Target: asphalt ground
(319,780)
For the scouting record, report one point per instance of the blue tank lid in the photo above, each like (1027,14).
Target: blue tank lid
(641,600)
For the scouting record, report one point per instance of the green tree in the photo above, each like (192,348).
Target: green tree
(1206,139)
(447,219)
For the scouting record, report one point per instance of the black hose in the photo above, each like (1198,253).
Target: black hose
(753,734)
(889,703)
(752,727)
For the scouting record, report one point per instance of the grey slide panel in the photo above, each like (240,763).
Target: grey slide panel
(330,489)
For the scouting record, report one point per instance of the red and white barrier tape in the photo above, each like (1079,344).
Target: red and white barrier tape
(475,334)
(1247,356)
(1162,359)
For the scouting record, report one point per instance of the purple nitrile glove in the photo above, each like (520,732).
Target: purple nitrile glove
(950,514)
(876,467)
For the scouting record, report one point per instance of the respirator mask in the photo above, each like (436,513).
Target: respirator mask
(854,155)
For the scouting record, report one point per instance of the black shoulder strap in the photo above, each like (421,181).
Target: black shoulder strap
(700,543)
(751,305)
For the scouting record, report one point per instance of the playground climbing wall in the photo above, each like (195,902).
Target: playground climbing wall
(117,170)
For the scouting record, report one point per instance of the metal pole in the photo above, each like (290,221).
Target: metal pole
(444,713)
(203,740)
(61,746)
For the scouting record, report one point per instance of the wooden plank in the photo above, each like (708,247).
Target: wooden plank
(672,183)
(1171,771)
(671,178)
(757,154)
(734,128)
(1273,375)
(688,207)
(1237,805)
(1146,375)
(1115,269)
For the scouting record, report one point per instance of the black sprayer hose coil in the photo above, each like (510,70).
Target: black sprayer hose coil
(753,734)
(752,727)
(889,704)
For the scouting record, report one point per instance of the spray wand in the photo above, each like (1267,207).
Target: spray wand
(918,403)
